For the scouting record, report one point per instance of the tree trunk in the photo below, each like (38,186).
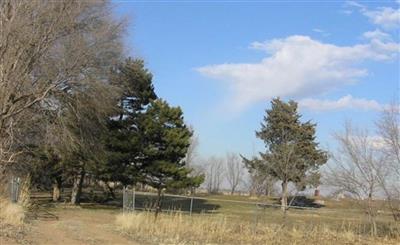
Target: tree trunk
(371,216)
(77,188)
(158,203)
(267,193)
(284,196)
(111,191)
(57,189)
(395,212)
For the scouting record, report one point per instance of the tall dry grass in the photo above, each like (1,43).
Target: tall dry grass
(14,213)
(12,221)
(11,213)
(175,228)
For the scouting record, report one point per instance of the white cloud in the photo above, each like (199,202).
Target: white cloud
(377,142)
(317,30)
(386,17)
(355,4)
(346,12)
(322,32)
(373,141)
(346,102)
(377,35)
(296,66)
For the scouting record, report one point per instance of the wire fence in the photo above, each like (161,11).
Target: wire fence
(134,200)
(251,213)
(301,210)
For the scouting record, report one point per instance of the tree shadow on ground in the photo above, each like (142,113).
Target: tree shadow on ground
(146,202)
(300,202)
(42,211)
(172,203)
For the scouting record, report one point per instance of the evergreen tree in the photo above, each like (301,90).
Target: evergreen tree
(165,141)
(147,140)
(123,141)
(292,153)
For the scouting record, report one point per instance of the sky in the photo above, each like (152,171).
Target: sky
(223,61)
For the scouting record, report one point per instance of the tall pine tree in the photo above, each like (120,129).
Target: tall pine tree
(166,140)
(147,140)
(123,140)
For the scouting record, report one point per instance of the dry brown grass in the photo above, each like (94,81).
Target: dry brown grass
(11,213)
(205,229)
(12,221)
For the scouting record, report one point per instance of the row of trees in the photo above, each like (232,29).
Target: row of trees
(55,58)
(231,173)
(228,170)
(72,106)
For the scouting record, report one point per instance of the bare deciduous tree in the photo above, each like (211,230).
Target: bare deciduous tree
(259,184)
(357,163)
(192,154)
(47,47)
(234,171)
(259,181)
(192,159)
(389,131)
(214,173)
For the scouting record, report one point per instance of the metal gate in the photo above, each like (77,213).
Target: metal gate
(133,200)
(128,200)
(15,184)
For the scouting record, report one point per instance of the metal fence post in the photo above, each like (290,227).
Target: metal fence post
(123,199)
(17,189)
(133,198)
(191,205)
(12,189)
(255,218)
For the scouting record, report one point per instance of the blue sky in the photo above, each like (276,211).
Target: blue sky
(222,62)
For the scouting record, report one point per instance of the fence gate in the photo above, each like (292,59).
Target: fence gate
(14,188)
(133,200)
(128,200)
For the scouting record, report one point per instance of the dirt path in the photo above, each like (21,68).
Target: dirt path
(75,226)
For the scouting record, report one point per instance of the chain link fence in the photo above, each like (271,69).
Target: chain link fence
(133,200)
(302,211)
(15,184)
(256,211)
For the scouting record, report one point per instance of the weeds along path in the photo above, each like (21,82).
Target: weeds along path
(75,226)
